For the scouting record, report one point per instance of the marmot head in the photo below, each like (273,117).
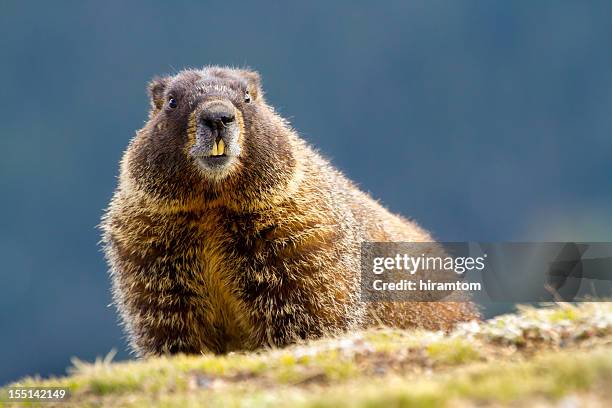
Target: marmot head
(210,136)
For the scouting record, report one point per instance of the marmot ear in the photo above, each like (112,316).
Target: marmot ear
(157,87)
(254,81)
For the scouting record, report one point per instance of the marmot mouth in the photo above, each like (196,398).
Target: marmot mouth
(213,162)
(218,148)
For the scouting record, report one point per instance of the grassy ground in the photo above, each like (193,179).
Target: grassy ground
(552,356)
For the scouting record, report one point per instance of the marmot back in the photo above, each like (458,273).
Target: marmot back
(228,232)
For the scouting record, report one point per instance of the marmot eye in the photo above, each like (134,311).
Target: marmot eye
(247,97)
(172,103)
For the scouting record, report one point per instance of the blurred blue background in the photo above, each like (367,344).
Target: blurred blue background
(482,120)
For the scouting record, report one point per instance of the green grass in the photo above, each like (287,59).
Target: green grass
(452,351)
(535,356)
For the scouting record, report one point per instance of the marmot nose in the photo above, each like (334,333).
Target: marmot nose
(217,116)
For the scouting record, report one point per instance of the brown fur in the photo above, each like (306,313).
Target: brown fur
(261,256)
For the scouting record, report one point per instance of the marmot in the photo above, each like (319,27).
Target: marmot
(227,231)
